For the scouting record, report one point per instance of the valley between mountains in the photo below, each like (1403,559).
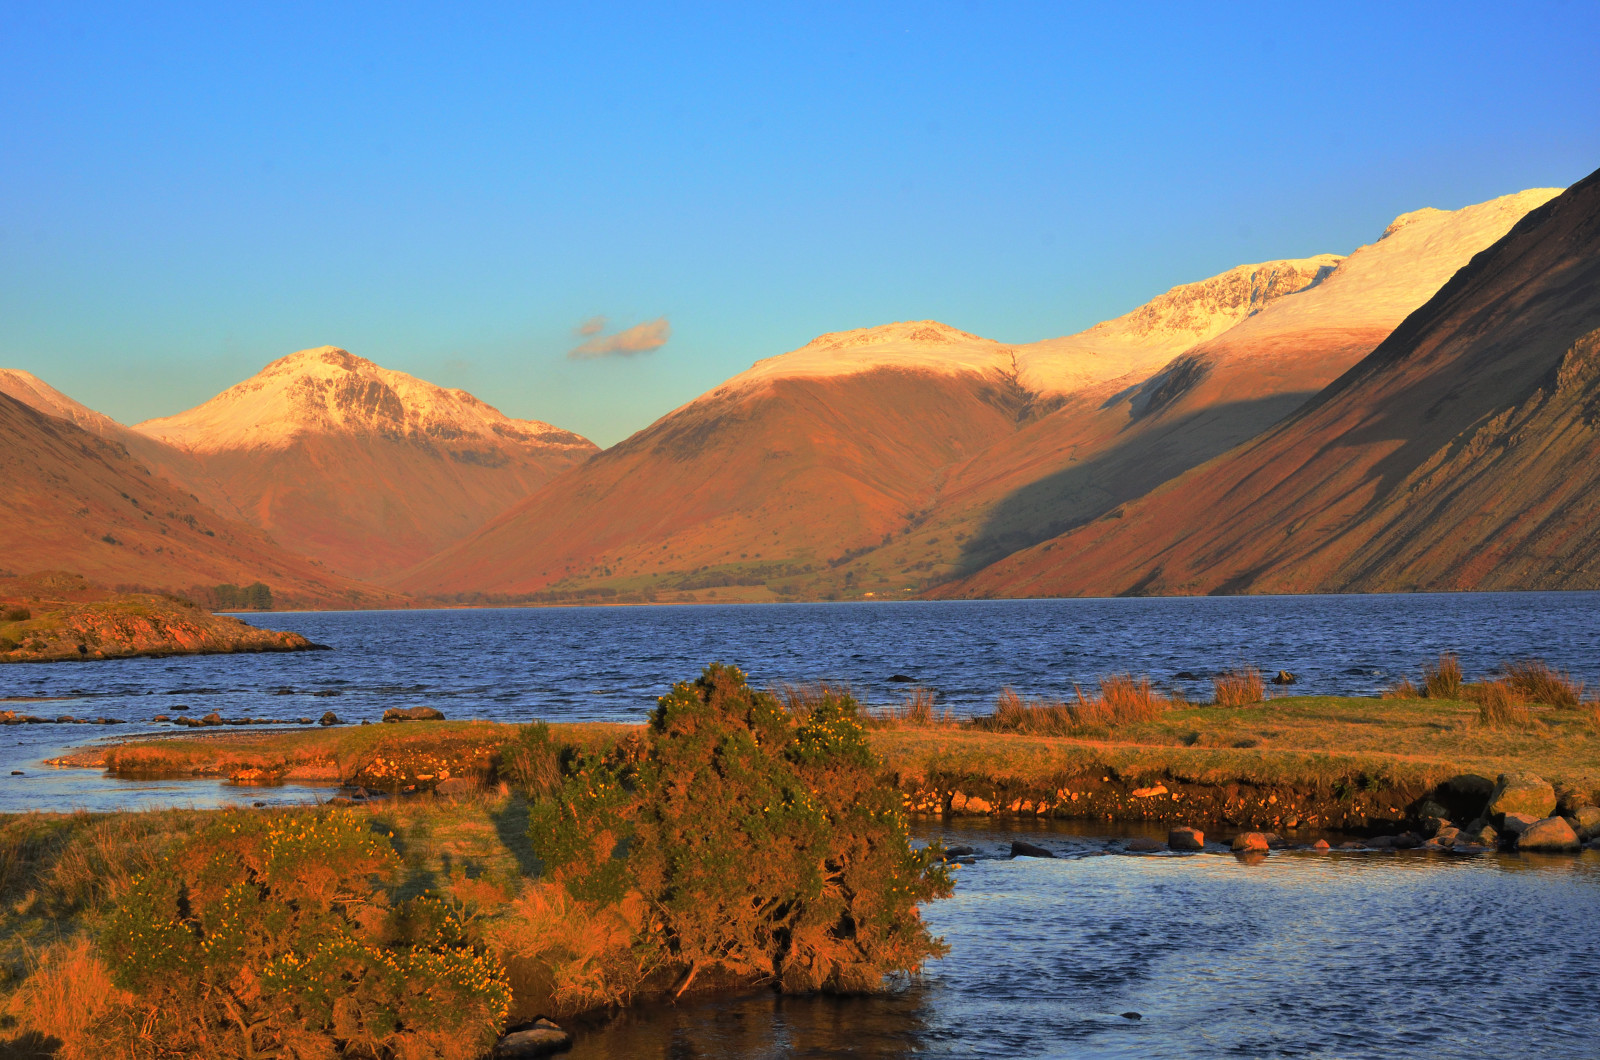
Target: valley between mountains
(1416,414)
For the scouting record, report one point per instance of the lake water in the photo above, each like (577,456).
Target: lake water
(1303,955)
(1393,955)
(610,663)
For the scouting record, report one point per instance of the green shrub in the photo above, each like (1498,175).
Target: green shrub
(769,848)
(264,934)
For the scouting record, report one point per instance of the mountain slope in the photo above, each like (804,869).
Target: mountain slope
(75,501)
(367,469)
(1462,453)
(776,479)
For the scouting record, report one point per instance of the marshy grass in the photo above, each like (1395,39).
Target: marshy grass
(1501,705)
(1442,679)
(1238,687)
(1538,682)
(919,710)
(1122,700)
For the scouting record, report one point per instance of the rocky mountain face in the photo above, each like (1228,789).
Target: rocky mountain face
(366,469)
(1461,453)
(77,501)
(889,460)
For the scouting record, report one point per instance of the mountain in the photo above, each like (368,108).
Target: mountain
(366,469)
(1462,453)
(887,460)
(176,466)
(80,502)
(775,481)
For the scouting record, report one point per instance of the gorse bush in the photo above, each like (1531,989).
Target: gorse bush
(264,935)
(751,844)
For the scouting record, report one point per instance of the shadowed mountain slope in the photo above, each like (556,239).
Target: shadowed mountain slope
(1461,454)
(78,502)
(367,469)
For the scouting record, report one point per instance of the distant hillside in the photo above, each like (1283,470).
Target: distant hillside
(1463,453)
(74,501)
(366,469)
(887,460)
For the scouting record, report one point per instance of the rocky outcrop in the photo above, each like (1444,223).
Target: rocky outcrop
(413,714)
(123,625)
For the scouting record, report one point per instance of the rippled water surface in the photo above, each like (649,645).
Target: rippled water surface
(1302,955)
(611,663)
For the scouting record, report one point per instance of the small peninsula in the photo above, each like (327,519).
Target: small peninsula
(57,617)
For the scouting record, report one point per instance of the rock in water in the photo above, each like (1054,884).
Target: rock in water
(1186,839)
(1522,793)
(1019,849)
(412,714)
(1245,842)
(1141,845)
(541,1039)
(328,718)
(1552,833)
(1284,677)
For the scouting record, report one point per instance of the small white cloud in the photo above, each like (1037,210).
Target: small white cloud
(629,342)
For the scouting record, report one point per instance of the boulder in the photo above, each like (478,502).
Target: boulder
(1484,835)
(1186,839)
(1142,845)
(1588,818)
(412,714)
(328,718)
(1447,835)
(1517,823)
(1284,677)
(1464,797)
(1019,849)
(1552,833)
(1245,842)
(951,853)
(1431,826)
(211,719)
(1321,844)
(1522,793)
(541,1039)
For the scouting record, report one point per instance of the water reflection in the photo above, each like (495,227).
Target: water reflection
(1394,955)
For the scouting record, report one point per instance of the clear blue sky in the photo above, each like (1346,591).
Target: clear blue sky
(187,192)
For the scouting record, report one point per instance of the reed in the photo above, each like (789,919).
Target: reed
(1442,679)
(1402,689)
(1500,705)
(1122,700)
(919,710)
(1540,683)
(1238,688)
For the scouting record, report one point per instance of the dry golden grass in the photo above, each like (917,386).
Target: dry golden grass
(1238,688)
(1122,700)
(920,709)
(1402,689)
(1442,679)
(1500,705)
(66,992)
(1536,681)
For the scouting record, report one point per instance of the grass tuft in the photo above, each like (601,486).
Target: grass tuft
(1402,689)
(1442,680)
(1238,688)
(1501,705)
(1538,682)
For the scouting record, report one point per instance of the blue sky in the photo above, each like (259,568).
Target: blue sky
(188,192)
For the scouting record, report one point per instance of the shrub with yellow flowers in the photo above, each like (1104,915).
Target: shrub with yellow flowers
(270,934)
(768,847)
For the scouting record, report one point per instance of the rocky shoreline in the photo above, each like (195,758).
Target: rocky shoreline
(1516,811)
